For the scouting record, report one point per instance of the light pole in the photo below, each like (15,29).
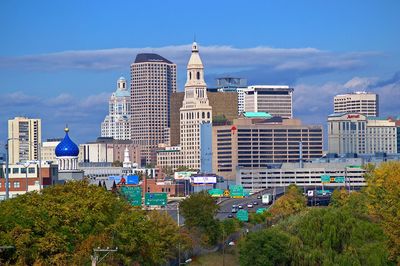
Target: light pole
(7,177)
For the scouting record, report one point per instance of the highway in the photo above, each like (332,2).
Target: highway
(225,205)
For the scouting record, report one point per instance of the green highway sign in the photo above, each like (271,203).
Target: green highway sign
(261,210)
(339,179)
(133,195)
(242,215)
(325,179)
(236,191)
(216,192)
(155,199)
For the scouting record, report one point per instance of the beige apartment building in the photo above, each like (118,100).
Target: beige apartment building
(256,141)
(361,102)
(24,139)
(153,80)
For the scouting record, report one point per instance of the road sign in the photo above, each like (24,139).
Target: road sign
(242,215)
(216,192)
(236,191)
(133,195)
(226,193)
(339,179)
(325,179)
(310,193)
(155,199)
(261,210)
(323,192)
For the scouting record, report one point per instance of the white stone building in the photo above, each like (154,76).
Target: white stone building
(361,102)
(117,123)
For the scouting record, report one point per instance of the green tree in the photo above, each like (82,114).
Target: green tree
(268,247)
(291,203)
(117,163)
(383,192)
(199,211)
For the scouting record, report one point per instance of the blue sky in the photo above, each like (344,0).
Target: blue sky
(59,60)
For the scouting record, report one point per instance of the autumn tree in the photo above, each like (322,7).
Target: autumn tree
(290,203)
(383,192)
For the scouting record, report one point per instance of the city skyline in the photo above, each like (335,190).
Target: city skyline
(65,68)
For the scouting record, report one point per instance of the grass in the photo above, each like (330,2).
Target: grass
(217,259)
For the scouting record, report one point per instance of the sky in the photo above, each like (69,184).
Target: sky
(60,60)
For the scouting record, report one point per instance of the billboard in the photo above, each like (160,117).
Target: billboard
(117,179)
(132,180)
(204,179)
(183,175)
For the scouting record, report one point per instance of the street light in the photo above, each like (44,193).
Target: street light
(26,165)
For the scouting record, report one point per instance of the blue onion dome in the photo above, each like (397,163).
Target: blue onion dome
(67,147)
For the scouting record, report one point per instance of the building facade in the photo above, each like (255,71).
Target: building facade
(259,142)
(153,80)
(232,84)
(48,149)
(364,103)
(117,124)
(108,150)
(275,100)
(357,133)
(24,136)
(195,110)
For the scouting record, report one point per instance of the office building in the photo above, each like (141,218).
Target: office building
(233,85)
(275,100)
(195,110)
(224,110)
(364,103)
(48,149)
(24,136)
(357,133)
(108,150)
(153,80)
(258,139)
(117,123)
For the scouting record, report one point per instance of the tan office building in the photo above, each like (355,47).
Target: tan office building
(24,136)
(258,142)
(365,103)
(153,80)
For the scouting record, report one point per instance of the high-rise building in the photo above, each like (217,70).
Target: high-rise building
(195,110)
(275,100)
(231,84)
(357,133)
(153,80)
(259,140)
(361,102)
(48,149)
(24,136)
(117,123)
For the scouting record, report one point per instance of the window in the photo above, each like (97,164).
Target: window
(31,170)
(16,184)
(23,170)
(198,75)
(15,170)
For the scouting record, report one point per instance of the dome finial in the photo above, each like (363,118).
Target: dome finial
(66,129)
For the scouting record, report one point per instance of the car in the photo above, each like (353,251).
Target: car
(259,197)
(230,216)
(234,210)
(249,205)
(231,243)
(255,203)
(240,207)
(234,206)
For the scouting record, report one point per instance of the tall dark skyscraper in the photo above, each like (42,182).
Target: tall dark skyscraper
(153,80)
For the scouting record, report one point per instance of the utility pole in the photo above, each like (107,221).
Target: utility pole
(95,256)
(7,174)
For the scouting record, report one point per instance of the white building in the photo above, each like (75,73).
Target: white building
(361,102)
(356,133)
(24,142)
(195,110)
(48,150)
(275,100)
(117,123)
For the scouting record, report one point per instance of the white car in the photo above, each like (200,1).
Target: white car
(249,205)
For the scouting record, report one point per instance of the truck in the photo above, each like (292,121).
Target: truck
(266,198)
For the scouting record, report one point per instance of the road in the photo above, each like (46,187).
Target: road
(225,205)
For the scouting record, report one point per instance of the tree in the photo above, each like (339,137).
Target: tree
(268,247)
(199,211)
(117,164)
(383,192)
(290,203)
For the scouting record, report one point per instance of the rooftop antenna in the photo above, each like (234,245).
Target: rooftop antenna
(194,37)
